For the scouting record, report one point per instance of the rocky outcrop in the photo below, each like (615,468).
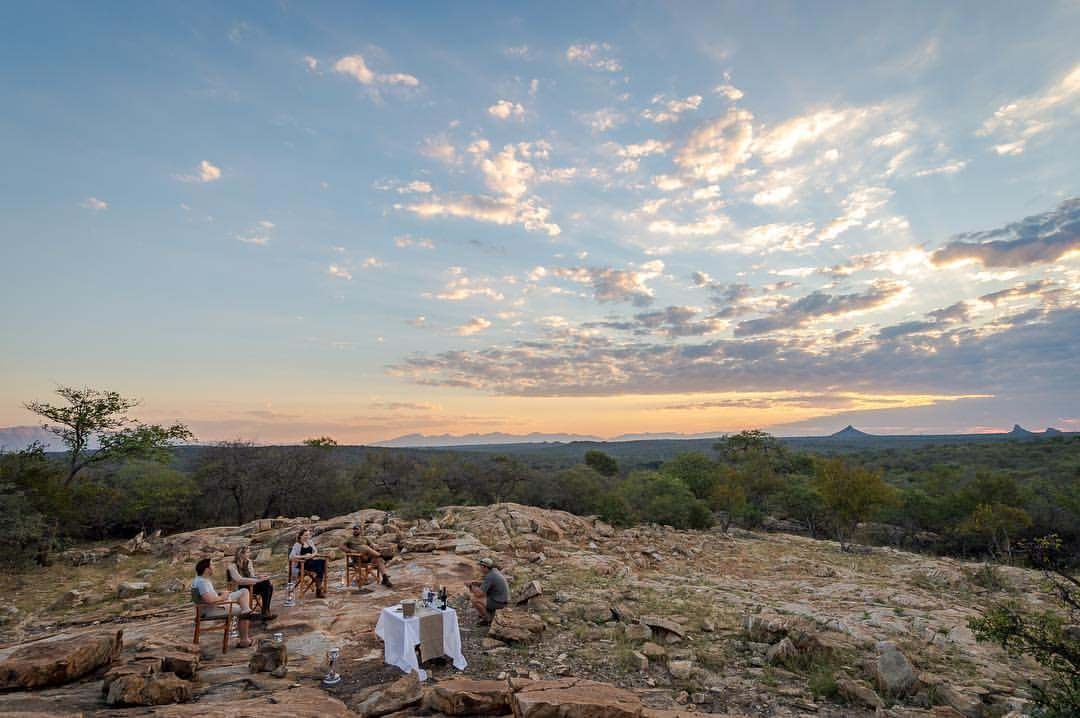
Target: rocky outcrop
(858,693)
(54,663)
(380,700)
(574,698)
(466,697)
(516,626)
(155,689)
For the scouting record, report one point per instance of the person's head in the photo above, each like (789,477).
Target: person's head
(204,567)
(241,554)
(486,564)
(304,535)
(357,530)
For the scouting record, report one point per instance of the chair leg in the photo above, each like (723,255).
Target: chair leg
(198,627)
(225,633)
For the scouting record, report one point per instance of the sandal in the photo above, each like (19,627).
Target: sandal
(245,644)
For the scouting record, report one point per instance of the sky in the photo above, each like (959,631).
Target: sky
(273,221)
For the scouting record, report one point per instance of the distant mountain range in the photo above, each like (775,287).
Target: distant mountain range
(848,433)
(13,438)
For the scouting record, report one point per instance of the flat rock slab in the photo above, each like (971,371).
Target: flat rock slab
(575,698)
(54,663)
(295,703)
(467,697)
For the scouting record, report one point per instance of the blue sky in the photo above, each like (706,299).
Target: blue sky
(276,220)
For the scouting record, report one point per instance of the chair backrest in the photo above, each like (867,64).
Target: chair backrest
(196,597)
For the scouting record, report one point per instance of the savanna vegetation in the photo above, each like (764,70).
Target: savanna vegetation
(119,475)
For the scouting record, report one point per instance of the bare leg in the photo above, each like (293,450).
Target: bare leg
(243,626)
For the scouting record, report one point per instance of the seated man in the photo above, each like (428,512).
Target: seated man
(490,594)
(211,604)
(358,543)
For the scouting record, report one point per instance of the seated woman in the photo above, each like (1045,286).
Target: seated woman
(242,575)
(304,546)
(357,544)
(211,604)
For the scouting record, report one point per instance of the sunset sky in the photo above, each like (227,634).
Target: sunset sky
(276,220)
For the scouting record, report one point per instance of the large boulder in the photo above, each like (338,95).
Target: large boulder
(893,671)
(574,698)
(858,692)
(127,589)
(515,625)
(467,697)
(54,663)
(156,689)
(379,700)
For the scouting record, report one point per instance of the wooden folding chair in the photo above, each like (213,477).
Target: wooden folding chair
(306,580)
(360,568)
(225,618)
(255,599)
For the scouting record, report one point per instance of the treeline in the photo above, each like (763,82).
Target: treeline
(971,500)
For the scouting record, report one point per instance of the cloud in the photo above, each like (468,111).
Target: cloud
(504,110)
(372,263)
(339,272)
(858,207)
(505,173)
(356,67)
(473,326)
(404,406)
(311,62)
(729,91)
(714,150)
(670,110)
(633,153)
(1017,291)
(1014,124)
(207,172)
(775,237)
(411,187)
(949,168)
(1037,239)
(518,51)
(616,285)
(461,287)
(706,226)
(596,56)
(94,204)
(504,210)
(259,235)
(790,136)
(821,305)
(774,196)
(439,148)
(950,363)
(603,119)
(407,240)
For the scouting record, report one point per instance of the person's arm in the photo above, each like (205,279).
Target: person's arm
(295,550)
(209,595)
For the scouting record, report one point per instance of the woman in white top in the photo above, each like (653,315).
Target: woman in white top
(304,546)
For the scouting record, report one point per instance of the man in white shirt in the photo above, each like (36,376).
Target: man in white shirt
(213,605)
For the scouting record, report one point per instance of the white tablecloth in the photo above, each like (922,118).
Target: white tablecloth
(401,636)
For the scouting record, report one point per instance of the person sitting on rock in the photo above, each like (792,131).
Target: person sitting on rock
(242,574)
(490,594)
(358,543)
(304,546)
(211,604)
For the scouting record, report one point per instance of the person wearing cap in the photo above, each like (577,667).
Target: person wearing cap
(490,594)
(358,543)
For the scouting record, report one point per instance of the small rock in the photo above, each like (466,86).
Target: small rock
(515,625)
(269,656)
(153,690)
(126,589)
(707,626)
(639,661)
(280,671)
(381,699)
(529,591)
(637,632)
(487,643)
(895,676)
(781,652)
(858,692)
(680,670)
(653,651)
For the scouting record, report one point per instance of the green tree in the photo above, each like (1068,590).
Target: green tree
(155,496)
(604,464)
(1050,636)
(728,497)
(851,495)
(100,417)
(995,524)
(697,471)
